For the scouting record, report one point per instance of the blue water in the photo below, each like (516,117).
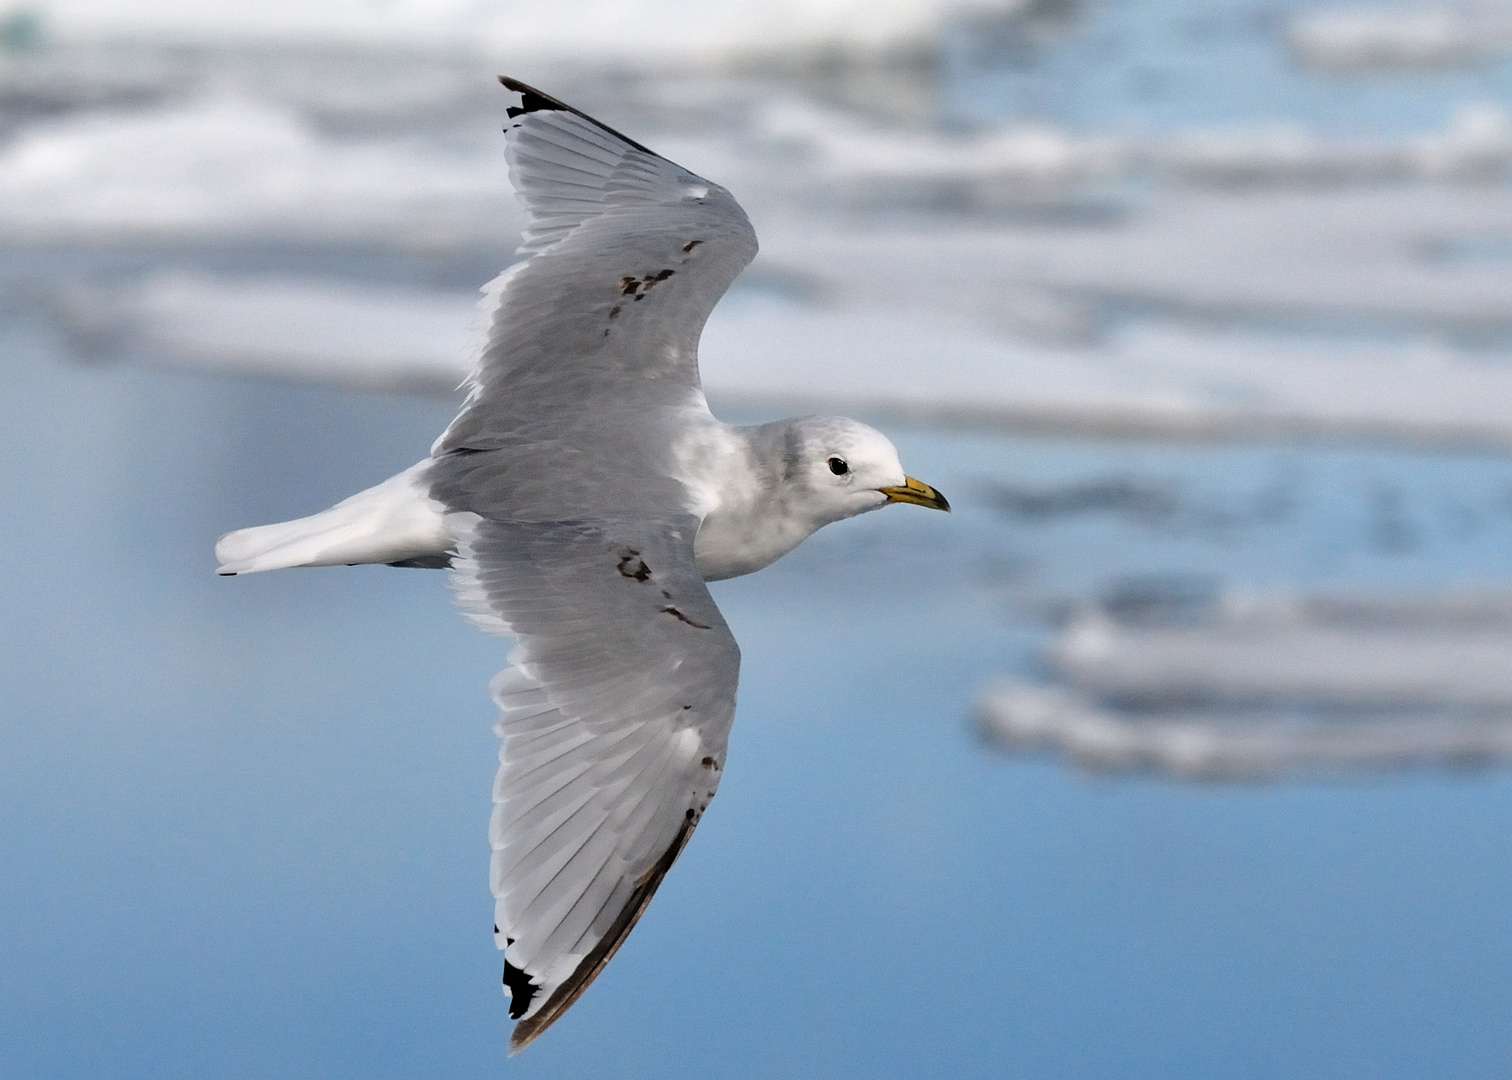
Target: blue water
(242,822)
(1163,65)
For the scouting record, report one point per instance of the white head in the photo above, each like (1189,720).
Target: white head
(805,473)
(843,468)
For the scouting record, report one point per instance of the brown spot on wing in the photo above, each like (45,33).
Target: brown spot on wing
(637,288)
(527,1030)
(691,244)
(679,615)
(637,570)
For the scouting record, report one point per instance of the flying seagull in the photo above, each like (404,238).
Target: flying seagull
(582,498)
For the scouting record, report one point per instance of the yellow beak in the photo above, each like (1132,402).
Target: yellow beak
(918,493)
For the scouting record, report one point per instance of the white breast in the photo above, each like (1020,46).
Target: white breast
(731,543)
(747,524)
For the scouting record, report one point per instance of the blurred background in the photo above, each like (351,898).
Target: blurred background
(1177,751)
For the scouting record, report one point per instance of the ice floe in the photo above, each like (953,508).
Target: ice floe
(599,29)
(1226,316)
(368,336)
(1258,687)
(1218,283)
(232,167)
(1360,39)
(1037,164)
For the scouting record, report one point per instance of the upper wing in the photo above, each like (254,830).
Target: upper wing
(628,254)
(575,536)
(615,719)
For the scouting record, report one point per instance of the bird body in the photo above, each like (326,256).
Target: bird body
(737,481)
(582,498)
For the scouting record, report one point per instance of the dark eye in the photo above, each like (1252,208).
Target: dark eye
(838,466)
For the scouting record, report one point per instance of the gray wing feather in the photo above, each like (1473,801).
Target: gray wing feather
(615,717)
(628,254)
(575,538)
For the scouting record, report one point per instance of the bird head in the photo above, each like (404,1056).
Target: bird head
(845,468)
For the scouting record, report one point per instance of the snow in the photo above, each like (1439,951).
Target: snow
(1354,254)
(881,164)
(1160,378)
(587,29)
(1266,281)
(871,163)
(1271,686)
(225,165)
(1225,315)
(1364,39)
(370,336)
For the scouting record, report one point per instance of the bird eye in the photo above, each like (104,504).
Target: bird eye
(838,466)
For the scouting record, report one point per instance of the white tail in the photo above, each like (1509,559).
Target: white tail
(396,521)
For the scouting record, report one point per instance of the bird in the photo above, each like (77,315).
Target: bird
(582,498)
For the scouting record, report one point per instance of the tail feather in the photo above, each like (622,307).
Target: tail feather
(395,522)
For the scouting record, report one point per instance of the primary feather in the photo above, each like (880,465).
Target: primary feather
(618,707)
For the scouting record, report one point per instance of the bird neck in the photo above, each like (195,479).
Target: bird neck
(749,518)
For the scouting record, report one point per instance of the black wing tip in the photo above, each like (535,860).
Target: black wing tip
(528,1030)
(533,100)
(522,989)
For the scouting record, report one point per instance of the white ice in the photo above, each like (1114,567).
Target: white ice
(1274,686)
(1013,324)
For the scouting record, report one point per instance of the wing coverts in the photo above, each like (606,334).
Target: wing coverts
(575,537)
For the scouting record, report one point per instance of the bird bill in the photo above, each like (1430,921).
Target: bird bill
(917,492)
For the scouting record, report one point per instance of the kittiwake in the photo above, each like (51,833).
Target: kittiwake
(582,498)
